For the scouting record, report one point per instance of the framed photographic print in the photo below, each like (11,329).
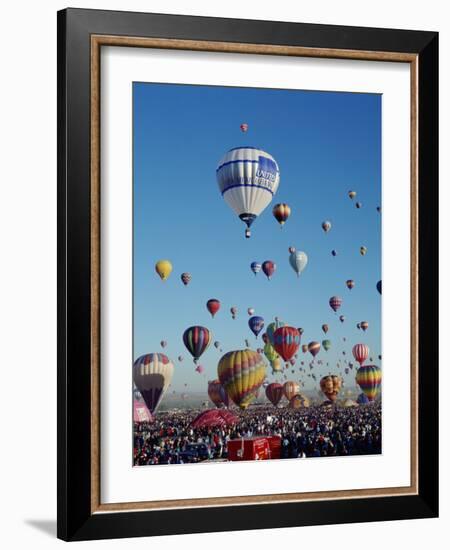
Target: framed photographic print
(247,274)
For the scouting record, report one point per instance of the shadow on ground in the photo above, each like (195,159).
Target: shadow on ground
(47,526)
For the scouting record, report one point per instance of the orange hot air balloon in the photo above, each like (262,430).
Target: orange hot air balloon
(331,386)
(290,389)
(281,212)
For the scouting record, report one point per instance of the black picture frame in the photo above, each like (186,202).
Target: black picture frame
(75,518)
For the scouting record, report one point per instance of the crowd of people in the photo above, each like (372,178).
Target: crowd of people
(316,431)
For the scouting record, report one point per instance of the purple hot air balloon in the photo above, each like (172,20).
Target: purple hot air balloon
(256,324)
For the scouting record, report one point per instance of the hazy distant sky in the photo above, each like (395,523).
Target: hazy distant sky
(325,144)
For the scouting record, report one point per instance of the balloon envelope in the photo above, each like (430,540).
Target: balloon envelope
(197,340)
(298,261)
(215,418)
(152,374)
(163,269)
(286,341)
(368,378)
(274,393)
(256,324)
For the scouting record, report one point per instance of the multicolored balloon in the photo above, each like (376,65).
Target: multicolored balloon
(244,127)
(360,353)
(163,268)
(298,401)
(152,375)
(350,283)
(241,373)
(325,328)
(352,194)
(247,191)
(256,324)
(331,386)
(358,205)
(185,278)
(269,268)
(213,306)
(342,319)
(368,378)
(233,311)
(163,343)
(255,267)
(250,311)
(286,341)
(305,348)
(298,261)
(270,353)
(335,303)
(272,327)
(197,340)
(363,250)
(364,325)
(291,249)
(274,393)
(281,212)
(313,348)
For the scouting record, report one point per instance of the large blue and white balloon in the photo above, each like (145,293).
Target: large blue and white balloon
(255,267)
(298,261)
(248,178)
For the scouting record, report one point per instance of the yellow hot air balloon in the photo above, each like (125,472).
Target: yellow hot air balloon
(163,268)
(276,365)
(241,373)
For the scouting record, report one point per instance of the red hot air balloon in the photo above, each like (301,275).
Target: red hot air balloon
(314,348)
(335,303)
(244,127)
(274,393)
(360,353)
(286,342)
(269,268)
(213,306)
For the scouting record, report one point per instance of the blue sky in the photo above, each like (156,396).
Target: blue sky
(325,144)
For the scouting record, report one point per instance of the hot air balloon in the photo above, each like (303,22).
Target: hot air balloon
(364,325)
(335,303)
(281,212)
(326,226)
(325,328)
(362,250)
(250,311)
(286,341)
(199,369)
(276,365)
(305,348)
(362,399)
(291,249)
(298,401)
(379,209)
(358,325)
(298,261)
(326,344)
(313,348)
(272,327)
(180,358)
(241,373)
(163,343)
(248,178)
(369,380)
(233,311)
(300,330)
(379,286)
(197,340)
(217,344)
(352,194)
(274,393)
(270,353)
(268,268)
(255,267)
(214,419)
(163,268)
(152,374)
(256,325)
(360,353)
(213,306)
(217,393)
(244,127)
(185,278)
(358,205)
(331,386)
(292,362)
(342,319)
(350,283)
(290,389)
(333,253)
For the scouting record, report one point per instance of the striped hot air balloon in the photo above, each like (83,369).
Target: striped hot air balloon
(248,178)
(281,212)
(335,303)
(241,373)
(152,374)
(197,340)
(274,393)
(286,341)
(313,348)
(331,386)
(368,378)
(255,267)
(290,389)
(360,353)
